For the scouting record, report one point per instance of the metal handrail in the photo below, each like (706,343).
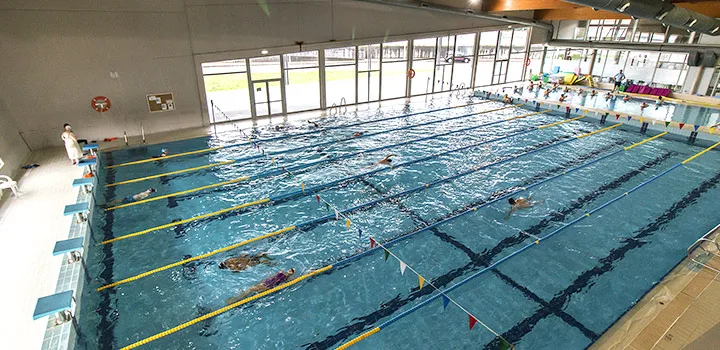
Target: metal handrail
(232,122)
(699,244)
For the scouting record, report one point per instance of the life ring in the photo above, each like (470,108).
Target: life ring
(411,73)
(527,62)
(100,103)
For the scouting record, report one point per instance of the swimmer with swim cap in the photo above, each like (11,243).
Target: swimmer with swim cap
(269,283)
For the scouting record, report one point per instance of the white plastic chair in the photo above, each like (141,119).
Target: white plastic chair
(7,182)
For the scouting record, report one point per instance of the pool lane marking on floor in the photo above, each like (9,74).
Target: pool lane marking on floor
(309,223)
(349,259)
(312,189)
(549,235)
(331,160)
(296,149)
(630,243)
(488,255)
(170,173)
(212,149)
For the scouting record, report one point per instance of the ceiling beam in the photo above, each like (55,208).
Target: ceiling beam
(708,8)
(524,5)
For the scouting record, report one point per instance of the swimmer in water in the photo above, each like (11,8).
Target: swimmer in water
(269,283)
(520,203)
(593,93)
(626,98)
(358,133)
(546,94)
(506,99)
(243,261)
(644,105)
(659,101)
(608,96)
(314,123)
(386,160)
(136,197)
(562,98)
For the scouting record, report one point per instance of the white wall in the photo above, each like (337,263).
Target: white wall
(58,55)
(12,149)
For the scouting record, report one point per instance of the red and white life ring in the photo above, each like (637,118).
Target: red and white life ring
(100,103)
(527,62)
(411,73)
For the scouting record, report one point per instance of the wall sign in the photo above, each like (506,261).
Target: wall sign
(163,102)
(100,103)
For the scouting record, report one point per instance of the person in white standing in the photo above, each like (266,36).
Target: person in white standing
(71,144)
(618,80)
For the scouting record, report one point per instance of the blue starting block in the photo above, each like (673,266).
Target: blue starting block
(78,208)
(68,245)
(92,147)
(53,304)
(90,163)
(84,182)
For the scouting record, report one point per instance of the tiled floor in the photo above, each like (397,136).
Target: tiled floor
(29,227)
(682,312)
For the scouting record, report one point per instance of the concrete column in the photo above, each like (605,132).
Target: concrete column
(593,56)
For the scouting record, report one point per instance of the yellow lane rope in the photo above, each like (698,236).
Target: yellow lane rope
(560,122)
(205,150)
(599,131)
(645,140)
(165,157)
(170,173)
(194,218)
(224,249)
(175,194)
(226,308)
(701,153)
(180,193)
(358,339)
(202,256)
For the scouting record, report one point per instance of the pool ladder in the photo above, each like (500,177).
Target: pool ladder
(710,247)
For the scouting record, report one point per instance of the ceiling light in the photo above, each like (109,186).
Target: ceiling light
(714,30)
(624,7)
(661,16)
(692,23)
(510,27)
(264,52)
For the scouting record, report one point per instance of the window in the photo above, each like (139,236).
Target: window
(340,75)
(368,75)
(226,89)
(302,81)
(394,66)
(423,63)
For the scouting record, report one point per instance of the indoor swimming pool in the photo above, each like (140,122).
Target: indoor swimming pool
(667,111)
(314,198)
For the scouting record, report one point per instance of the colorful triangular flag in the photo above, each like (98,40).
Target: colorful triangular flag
(347,223)
(402,267)
(372,243)
(711,130)
(421,281)
(681,125)
(473,321)
(629,117)
(446,301)
(696,127)
(359,233)
(666,124)
(317,196)
(617,116)
(327,206)
(642,120)
(576,109)
(387,254)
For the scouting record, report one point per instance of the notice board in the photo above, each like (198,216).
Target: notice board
(161,102)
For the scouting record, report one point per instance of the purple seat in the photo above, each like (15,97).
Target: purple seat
(654,91)
(632,88)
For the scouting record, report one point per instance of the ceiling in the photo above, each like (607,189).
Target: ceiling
(560,10)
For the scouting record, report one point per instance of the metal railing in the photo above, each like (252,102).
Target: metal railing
(227,119)
(701,243)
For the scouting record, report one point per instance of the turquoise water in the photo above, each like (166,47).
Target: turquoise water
(563,293)
(692,115)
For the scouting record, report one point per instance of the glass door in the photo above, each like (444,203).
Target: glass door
(268,97)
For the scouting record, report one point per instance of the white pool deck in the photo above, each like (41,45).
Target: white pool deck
(29,226)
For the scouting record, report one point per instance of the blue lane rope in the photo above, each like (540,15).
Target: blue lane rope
(526,247)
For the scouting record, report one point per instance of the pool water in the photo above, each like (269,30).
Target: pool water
(563,293)
(681,113)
